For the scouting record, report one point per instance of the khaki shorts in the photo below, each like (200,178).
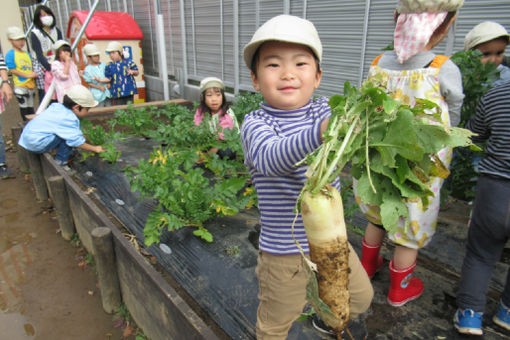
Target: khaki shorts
(282,292)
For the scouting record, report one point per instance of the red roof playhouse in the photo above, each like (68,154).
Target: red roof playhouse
(103,28)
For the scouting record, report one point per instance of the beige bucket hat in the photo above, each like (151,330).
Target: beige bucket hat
(433,6)
(211,82)
(114,46)
(81,96)
(59,43)
(483,32)
(91,50)
(286,28)
(15,33)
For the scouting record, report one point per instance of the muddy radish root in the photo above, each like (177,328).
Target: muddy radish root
(323,218)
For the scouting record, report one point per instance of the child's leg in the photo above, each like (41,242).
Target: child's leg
(488,232)
(371,244)
(64,151)
(403,287)
(123,100)
(282,293)
(374,235)
(404,257)
(360,288)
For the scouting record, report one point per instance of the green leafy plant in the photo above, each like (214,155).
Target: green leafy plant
(476,79)
(138,120)
(244,103)
(391,148)
(110,154)
(187,195)
(96,135)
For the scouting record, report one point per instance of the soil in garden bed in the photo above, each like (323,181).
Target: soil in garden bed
(220,276)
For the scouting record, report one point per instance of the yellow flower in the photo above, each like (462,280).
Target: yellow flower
(159,157)
(248,191)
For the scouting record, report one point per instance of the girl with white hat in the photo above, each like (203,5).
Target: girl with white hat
(64,70)
(215,109)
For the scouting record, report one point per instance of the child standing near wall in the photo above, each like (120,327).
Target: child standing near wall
(412,71)
(94,75)
(19,63)
(491,39)
(64,70)
(284,57)
(121,74)
(215,107)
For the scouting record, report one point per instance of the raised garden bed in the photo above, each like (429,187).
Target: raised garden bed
(202,290)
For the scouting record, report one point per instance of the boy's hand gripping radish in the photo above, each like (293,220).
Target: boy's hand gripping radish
(392,150)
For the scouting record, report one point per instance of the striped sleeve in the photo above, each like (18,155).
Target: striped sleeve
(269,152)
(492,124)
(2,62)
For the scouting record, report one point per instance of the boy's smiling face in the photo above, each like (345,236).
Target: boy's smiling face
(287,74)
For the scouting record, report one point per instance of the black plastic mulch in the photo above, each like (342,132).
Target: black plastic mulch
(219,276)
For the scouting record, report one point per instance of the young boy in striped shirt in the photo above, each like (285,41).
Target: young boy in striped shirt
(489,229)
(284,57)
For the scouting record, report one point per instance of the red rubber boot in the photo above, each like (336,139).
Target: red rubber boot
(403,287)
(370,258)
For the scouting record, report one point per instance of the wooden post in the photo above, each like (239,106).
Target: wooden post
(20,151)
(102,244)
(41,191)
(58,193)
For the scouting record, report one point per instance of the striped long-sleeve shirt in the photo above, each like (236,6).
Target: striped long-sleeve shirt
(273,142)
(492,123)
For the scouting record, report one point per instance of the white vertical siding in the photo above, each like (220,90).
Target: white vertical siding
(209,33)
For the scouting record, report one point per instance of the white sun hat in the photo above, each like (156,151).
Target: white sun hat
(81,96)
(114,46)
(59,43)
(286,28)
(15,33)
(211,82)
(483,32)
(91,50)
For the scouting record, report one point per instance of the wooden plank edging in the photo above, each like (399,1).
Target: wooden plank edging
(166,315)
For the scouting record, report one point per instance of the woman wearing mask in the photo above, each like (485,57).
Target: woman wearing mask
(43,36)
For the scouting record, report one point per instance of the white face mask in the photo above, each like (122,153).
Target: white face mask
(47,20)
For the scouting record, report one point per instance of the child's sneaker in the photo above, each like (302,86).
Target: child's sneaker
(468,322)
(4,171)
(502,317)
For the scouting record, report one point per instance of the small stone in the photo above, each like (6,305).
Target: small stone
(119,201)
(89,173)
(165,249)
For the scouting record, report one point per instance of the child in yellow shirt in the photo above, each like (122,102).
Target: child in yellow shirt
(19,63)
